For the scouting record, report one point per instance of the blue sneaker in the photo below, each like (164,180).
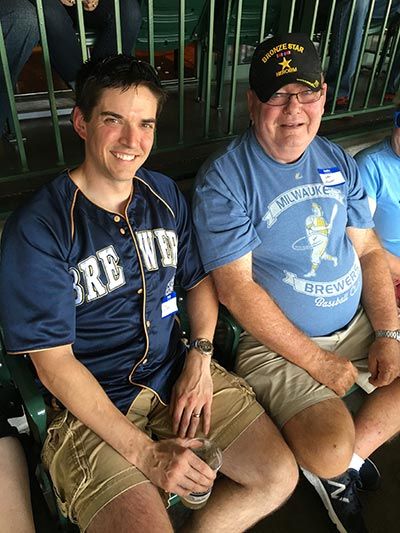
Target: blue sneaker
(339,495)
(370,477)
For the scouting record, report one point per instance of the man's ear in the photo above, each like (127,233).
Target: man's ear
(79,123)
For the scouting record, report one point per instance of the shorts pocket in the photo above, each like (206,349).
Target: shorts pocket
(232,378)
(55,435)
(63,456)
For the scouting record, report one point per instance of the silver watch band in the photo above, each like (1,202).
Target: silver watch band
(388,333)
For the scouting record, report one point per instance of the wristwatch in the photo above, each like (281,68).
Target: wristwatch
(203,346)
(388,333)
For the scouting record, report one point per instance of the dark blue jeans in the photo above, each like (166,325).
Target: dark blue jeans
(339,29)
(21,34)
(61,24)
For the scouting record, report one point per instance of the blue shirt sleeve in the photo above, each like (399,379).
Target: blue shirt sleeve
(369,174)
(190,269)
(224,229)
(38,309)
(358,212)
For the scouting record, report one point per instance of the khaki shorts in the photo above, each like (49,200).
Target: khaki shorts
(284,389)
(87,473)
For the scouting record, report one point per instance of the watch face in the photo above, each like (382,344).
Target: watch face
(205,346)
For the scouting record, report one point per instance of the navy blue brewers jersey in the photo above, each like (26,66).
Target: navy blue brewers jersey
(74,273)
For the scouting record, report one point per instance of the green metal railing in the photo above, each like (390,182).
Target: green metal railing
(223,26)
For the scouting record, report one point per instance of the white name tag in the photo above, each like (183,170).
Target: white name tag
(331,176)
(169,305)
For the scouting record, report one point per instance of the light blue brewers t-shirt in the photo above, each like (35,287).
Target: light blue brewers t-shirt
(380,172)
(293,218)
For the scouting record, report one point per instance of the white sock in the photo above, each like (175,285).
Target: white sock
(356,462)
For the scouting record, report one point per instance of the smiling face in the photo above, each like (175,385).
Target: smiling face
(285,131)
(119,135)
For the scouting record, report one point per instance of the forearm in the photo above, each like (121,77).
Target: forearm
(261,317)
(394,265)
(378,296)
(83,396)
(202,308)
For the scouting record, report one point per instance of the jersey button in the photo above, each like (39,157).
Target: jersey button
(117,218)
(122,231)
(140,291)
(148,323)
(144,361)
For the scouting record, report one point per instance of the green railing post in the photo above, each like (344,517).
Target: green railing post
(264,9)
(324,53)
(118,26)
(82,31)
(309,17)
(235,57)
(181,68)
(150,30)
(50,86)
(344,52)
(378,51)
(287,16)
(11,100)
(360,57)
(207,102)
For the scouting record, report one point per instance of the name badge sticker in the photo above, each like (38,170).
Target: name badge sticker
(331,176)
(169,305)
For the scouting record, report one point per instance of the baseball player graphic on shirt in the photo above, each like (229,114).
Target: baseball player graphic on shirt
(318,231)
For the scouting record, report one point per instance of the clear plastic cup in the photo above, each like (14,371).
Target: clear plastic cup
(210,454)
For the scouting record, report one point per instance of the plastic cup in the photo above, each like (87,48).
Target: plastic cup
(212,455)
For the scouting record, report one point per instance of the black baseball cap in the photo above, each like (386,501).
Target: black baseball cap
(282,59)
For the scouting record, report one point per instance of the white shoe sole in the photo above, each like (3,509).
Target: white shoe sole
(318,486)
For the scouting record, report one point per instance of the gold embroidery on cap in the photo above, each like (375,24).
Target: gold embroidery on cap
(313,84)
(285,63)
(284,46)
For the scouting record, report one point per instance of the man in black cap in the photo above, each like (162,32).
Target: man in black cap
(284,226)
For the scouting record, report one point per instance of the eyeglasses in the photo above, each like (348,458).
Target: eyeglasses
(304,97)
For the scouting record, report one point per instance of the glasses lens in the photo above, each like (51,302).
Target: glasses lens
(304,97)
(279,99)
(308,97)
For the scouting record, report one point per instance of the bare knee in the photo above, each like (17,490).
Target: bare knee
(322,438)
(270,470)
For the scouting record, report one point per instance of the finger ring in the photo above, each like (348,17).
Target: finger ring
(196,415)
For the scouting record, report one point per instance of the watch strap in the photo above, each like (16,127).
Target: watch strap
(388,333)
(203,346)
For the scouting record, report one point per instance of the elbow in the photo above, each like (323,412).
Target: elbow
(225,294)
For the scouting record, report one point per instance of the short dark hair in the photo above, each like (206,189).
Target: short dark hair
(118,71)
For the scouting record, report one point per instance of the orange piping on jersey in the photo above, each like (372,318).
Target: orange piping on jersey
(71,214)
(27,352)
(147,388)
(158,196)
(144,294)
(198,283)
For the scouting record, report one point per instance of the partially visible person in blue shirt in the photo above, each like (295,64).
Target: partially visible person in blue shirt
(380,171)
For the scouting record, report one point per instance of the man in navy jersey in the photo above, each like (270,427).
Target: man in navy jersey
(88,271)
(284,226)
